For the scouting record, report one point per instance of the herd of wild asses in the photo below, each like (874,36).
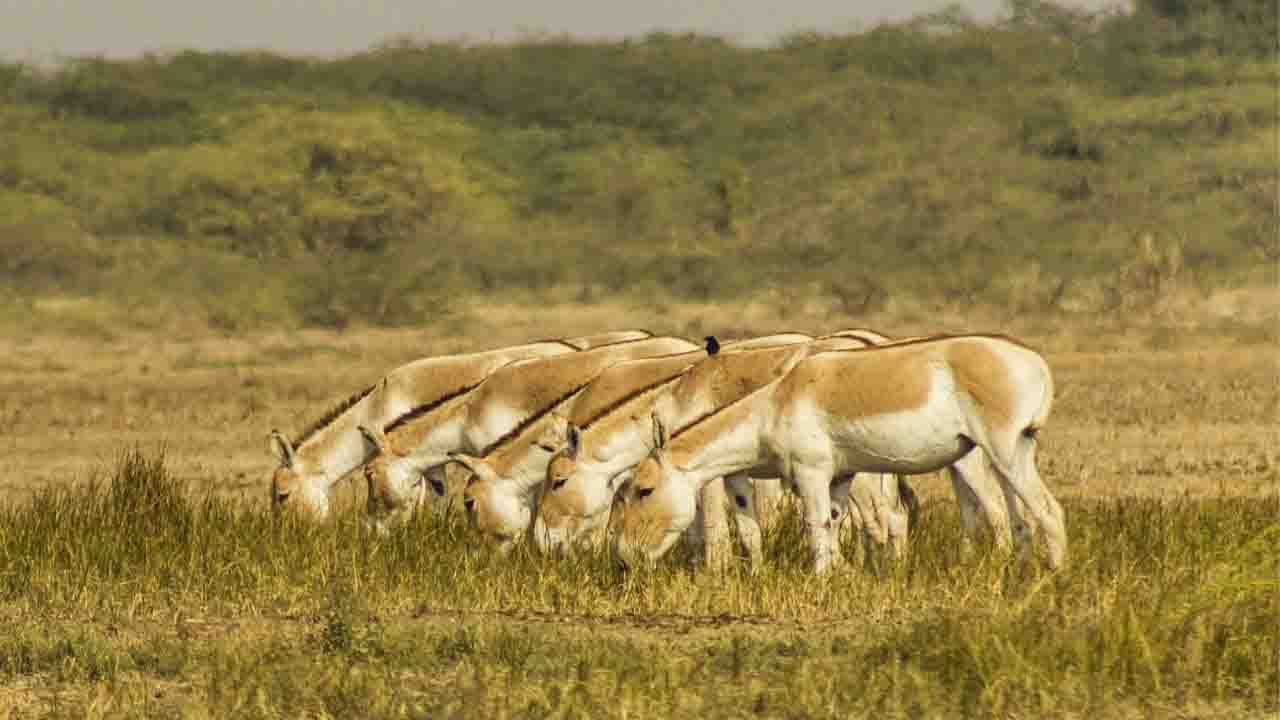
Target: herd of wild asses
(638,440)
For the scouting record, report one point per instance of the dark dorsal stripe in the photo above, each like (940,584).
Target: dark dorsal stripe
(868,349)
(936,338)
(707,416)
(421,410)
(583,348)
(330,416)
(524,424)
(559,341)
(615,405)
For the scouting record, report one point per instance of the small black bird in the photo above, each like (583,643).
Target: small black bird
(713,345)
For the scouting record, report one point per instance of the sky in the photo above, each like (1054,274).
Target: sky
(44,30)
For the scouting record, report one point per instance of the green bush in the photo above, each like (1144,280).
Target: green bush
(11,74)
(1227,27)
(940,160)
(109,91)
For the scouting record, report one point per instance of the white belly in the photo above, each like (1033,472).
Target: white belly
(908,442)
(919,440)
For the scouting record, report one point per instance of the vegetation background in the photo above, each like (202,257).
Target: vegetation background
(1055,162)
(198,247)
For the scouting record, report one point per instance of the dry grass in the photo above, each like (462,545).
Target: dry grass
(1190,407)
(157,601)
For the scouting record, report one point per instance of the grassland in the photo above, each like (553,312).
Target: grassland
(136,588)
(198,248)
(143,602)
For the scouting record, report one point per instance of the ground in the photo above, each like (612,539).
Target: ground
(1162,445)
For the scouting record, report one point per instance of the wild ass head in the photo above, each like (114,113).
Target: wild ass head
(399,485)
(576,494)
(301,482)
(601,452)
(501,494)
(654,508)
(293,486)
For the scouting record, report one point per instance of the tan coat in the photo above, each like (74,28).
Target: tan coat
(505,402)
(315,460)
(908,407)
(582,479)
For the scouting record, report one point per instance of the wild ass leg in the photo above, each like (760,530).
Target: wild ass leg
(692,537)
(768,501)
(981,500)
(854,516)
(814,486)
(898,515)
(840,509)
(1045,507)
(742,491)
(884,515)
(715,525)
(1021,481)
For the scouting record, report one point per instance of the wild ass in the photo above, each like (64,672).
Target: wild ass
(911,407)
(420,442)
(501,495)
(315,460)
(604,445)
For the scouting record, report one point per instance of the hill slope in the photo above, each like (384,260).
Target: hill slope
(1053,162)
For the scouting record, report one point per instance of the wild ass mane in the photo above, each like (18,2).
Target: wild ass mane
(722,408)
(333,414)
(524,424)
(558,341)
(425,408)
(615,405)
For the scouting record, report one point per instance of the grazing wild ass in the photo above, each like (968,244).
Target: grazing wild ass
(502,493)
(911,407)
(420,441)
(315,460)
(604,445)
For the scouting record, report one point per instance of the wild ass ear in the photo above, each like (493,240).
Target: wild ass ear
(573,440)
(713,345)
(659,433)
(282,448)
(376,439)
(616,482)
(471,463)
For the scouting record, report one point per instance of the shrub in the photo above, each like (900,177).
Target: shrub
(109,91)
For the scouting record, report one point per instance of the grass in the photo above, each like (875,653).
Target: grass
(154,583)
(146,600)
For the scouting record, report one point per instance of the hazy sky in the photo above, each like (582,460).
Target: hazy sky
(44,29)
